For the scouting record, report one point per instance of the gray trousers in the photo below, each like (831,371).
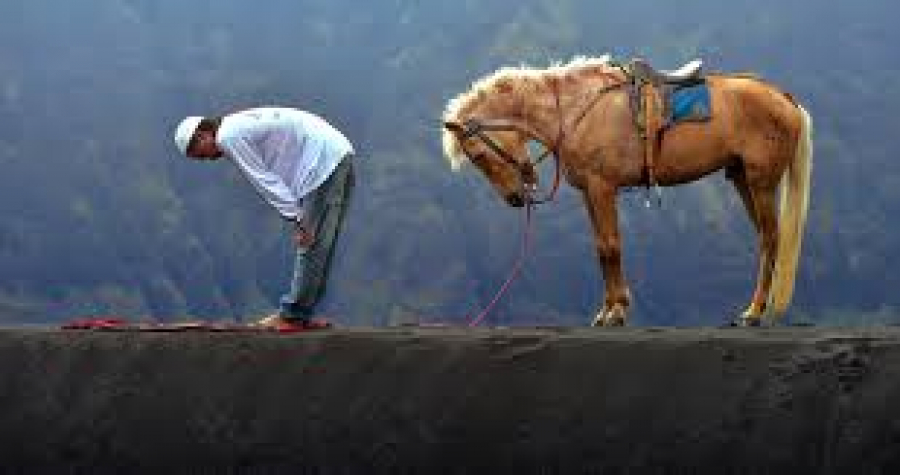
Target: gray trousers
(324,209)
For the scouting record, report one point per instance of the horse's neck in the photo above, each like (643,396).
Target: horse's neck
(555,108)
(537,114)
(546,114)
(564,98)
(585,94)
(519,115)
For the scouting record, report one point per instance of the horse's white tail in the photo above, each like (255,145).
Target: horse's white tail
(794,204)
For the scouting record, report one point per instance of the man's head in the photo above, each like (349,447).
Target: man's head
(195,137)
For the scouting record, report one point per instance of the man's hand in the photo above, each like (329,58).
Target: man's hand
(304,236)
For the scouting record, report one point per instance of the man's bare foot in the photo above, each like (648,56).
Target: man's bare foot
(271,321)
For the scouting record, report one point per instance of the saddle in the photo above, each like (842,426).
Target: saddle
(649,90)
(687,74)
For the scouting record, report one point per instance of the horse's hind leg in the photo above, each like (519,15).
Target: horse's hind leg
(759,198)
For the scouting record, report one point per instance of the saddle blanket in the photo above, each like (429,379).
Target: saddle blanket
(688,104)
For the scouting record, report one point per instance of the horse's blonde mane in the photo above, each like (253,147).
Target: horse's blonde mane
(513,82)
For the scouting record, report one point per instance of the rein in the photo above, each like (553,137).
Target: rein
(517,268)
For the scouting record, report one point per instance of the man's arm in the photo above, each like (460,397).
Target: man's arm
(268,184)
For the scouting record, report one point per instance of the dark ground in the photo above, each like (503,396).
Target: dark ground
(790,400)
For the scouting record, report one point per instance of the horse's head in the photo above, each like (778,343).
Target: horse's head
(499,152)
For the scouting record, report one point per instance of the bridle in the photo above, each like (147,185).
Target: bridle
(475,127)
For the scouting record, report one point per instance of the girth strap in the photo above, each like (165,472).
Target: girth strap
(647,92)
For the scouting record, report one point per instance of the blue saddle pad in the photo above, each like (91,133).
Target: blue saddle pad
(690,103)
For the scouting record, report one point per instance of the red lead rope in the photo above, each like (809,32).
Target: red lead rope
(526,241)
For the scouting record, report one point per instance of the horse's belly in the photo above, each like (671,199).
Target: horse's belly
(690,152)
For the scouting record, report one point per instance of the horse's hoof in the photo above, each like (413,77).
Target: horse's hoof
(600,319)
(615,322)
(615,318)
(746,322)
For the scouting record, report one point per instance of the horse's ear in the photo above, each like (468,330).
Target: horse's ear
(453,127)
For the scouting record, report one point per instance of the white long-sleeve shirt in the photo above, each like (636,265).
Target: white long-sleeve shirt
(285,153)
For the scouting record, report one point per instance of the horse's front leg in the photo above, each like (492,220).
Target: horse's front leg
(600,200)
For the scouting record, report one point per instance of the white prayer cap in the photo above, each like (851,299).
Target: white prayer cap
(185,132)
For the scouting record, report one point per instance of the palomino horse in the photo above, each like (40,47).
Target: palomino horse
(581,112)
